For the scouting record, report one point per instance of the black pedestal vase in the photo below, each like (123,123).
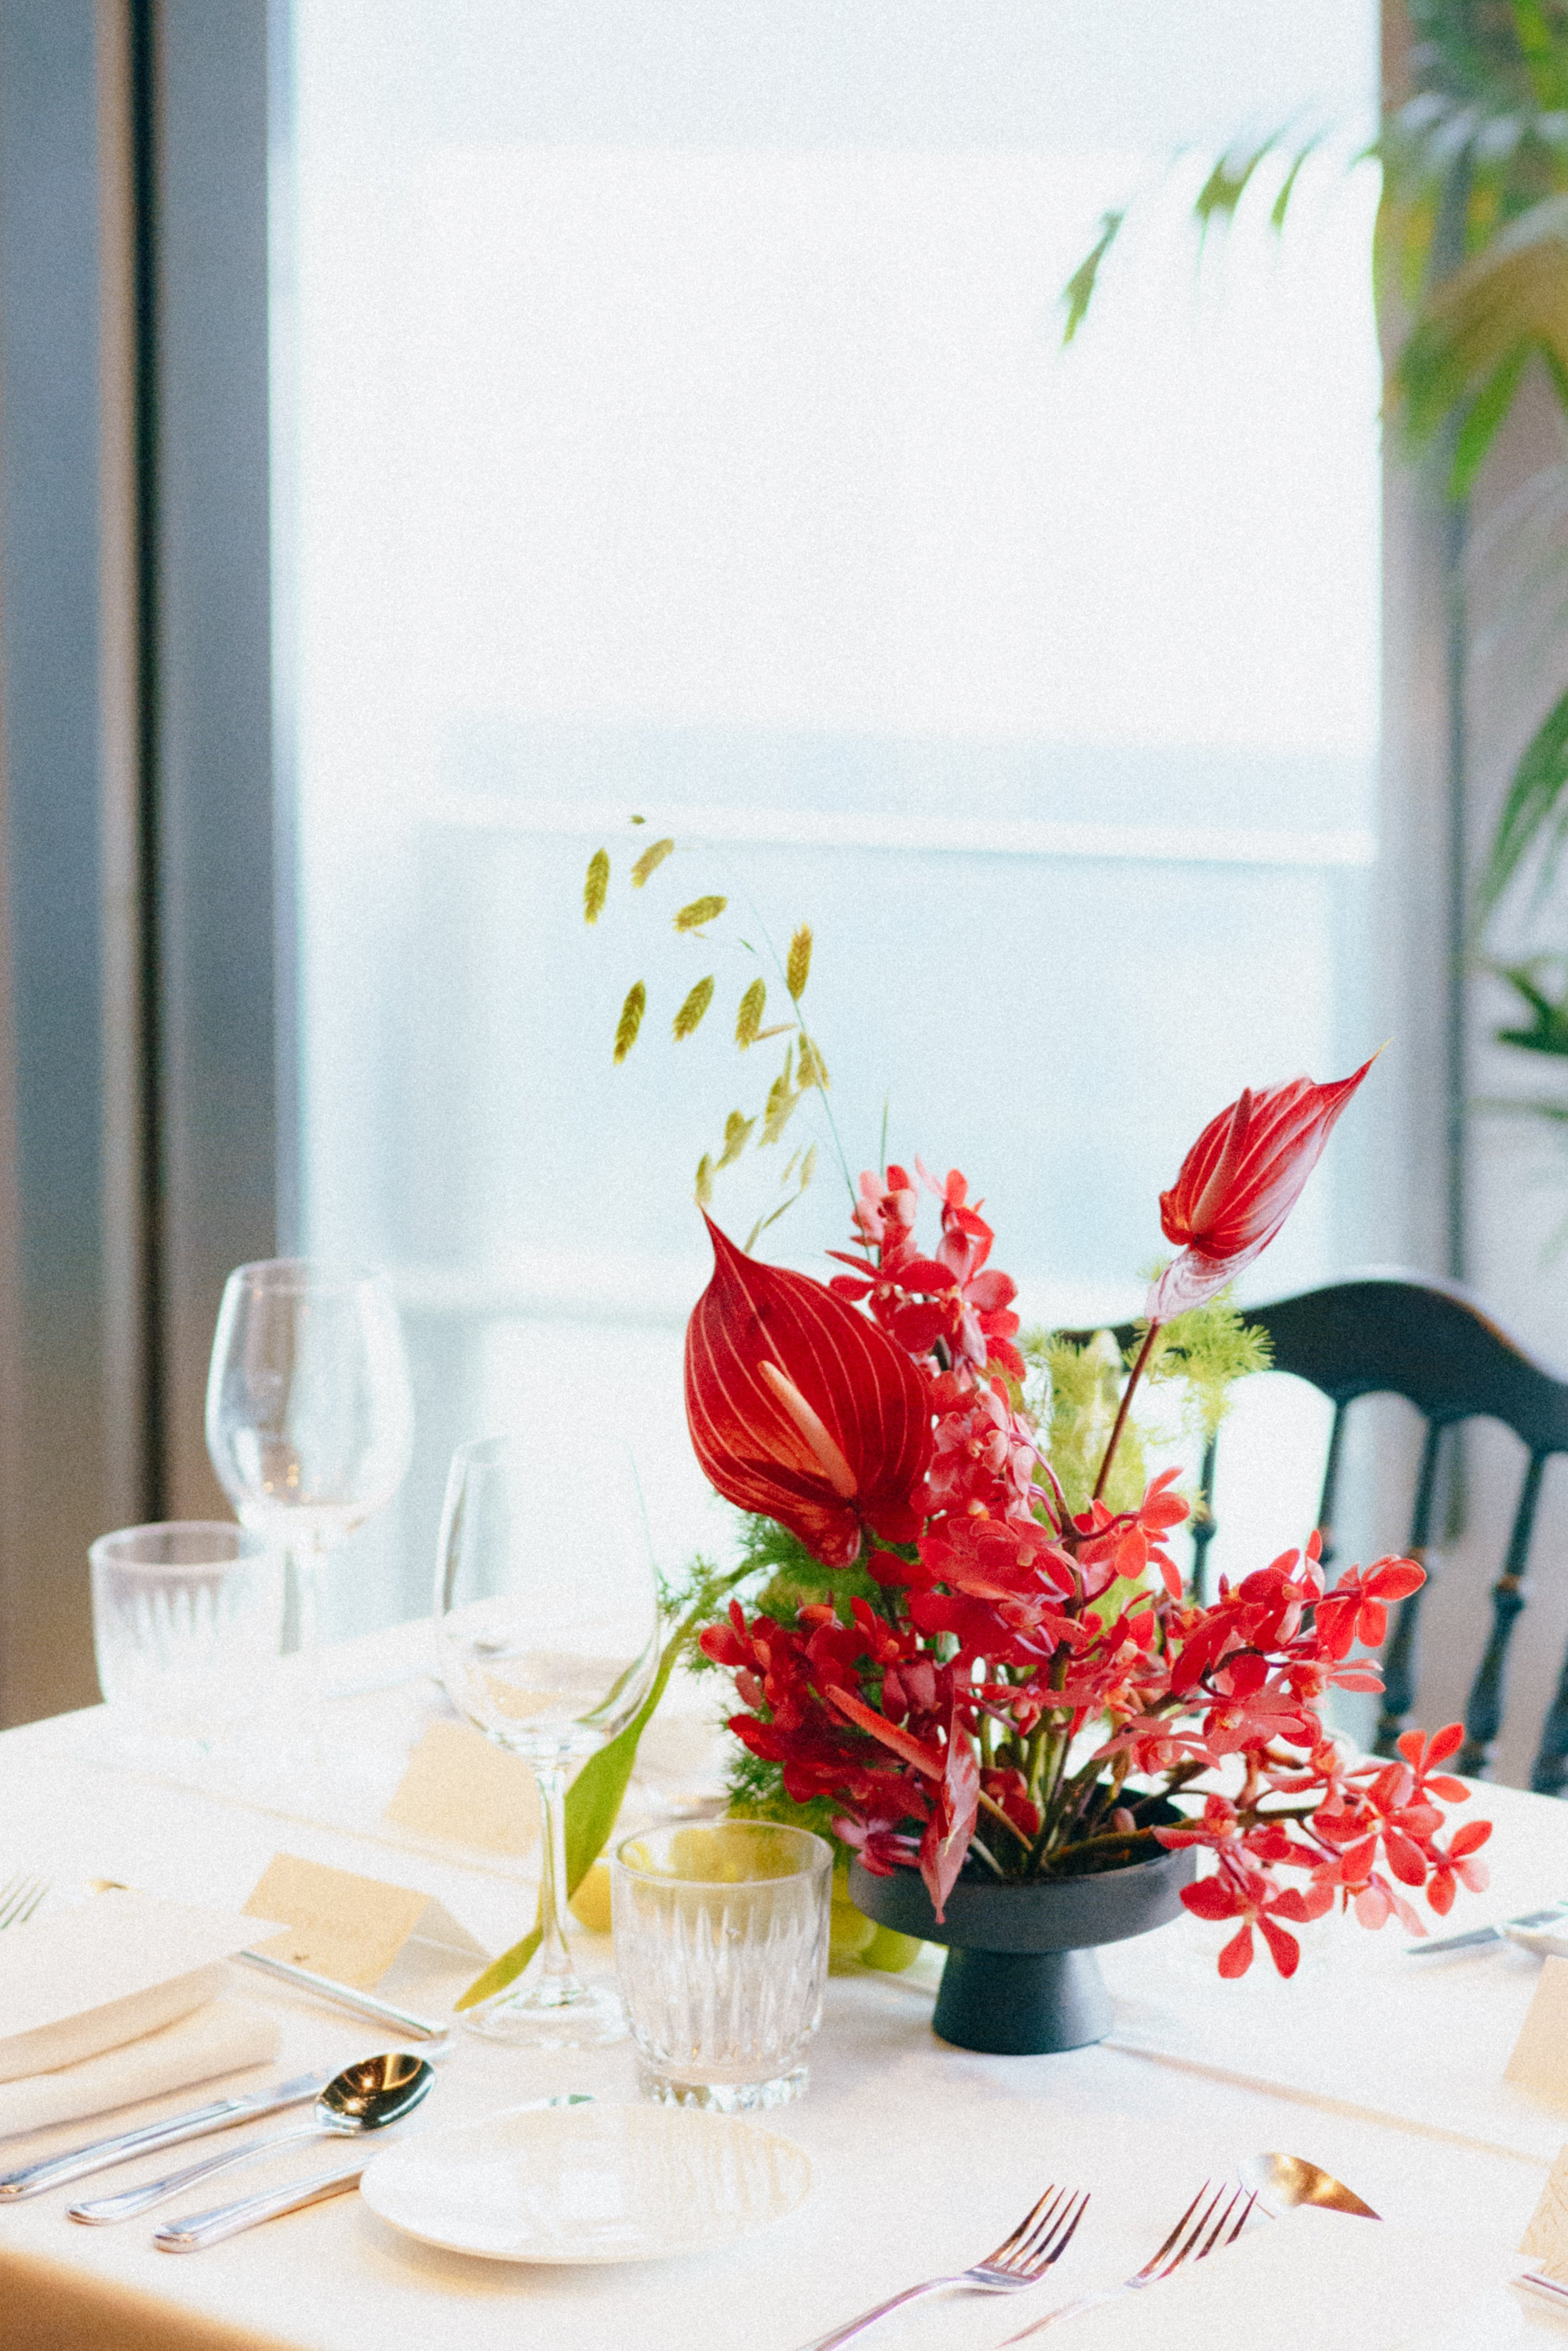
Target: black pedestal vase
(1021,1978)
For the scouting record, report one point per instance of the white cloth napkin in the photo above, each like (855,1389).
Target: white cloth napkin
(217,2039)
(106,1971)
(1306,2282)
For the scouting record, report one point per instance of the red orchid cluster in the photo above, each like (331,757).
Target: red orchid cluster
(1021,1688)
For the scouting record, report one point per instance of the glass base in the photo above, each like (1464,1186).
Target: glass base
(589,2017)
(723,2098)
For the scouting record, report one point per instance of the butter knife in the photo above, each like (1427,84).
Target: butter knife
(99,2154)
(343,1995)
(1477,1937)
(222,2220)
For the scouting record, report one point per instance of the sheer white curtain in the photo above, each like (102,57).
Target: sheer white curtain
(675,422)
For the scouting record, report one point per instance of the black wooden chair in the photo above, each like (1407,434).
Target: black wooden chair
(1431,1342)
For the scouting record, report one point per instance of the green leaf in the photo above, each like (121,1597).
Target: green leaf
(1078,290)
(1483,418)
(1534,810)
(592,1802)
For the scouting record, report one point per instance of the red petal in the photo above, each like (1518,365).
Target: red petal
(868,1397)
(1240,1182)
(1237,1957)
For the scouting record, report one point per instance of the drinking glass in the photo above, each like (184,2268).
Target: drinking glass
(546,1623)
(721,1943)
(309,1411)
(188,1623)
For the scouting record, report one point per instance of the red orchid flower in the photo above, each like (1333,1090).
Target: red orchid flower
(801,1410)
(1240,1182)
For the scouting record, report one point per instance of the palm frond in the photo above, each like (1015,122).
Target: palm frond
(1534,815)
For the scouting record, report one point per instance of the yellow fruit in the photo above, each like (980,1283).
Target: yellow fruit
(891,1951)
(590,1905)
(849,1933)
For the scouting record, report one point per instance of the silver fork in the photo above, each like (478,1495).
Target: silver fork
(1042,2237)
(19,1897)
(1191,2237)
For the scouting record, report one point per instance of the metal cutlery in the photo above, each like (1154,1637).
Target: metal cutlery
(19,1897)
(1192,2237)
(1283,2181)
(1548,2288)
(1476,1939)
(341,1995)
(189,2236)
(228,2220)
(1042,2237)
(102,2154)
(361,2098)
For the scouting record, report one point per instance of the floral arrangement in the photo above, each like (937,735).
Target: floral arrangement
(969,1648)
(961,1666)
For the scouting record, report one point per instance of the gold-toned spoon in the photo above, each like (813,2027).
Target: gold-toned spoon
(1281,2182)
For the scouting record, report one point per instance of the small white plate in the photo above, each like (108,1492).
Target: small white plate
(587,2183)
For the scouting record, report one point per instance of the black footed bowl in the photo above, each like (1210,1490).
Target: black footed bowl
(1021,1978)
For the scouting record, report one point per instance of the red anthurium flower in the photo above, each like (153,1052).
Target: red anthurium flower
(1240,1182)
(801,1410)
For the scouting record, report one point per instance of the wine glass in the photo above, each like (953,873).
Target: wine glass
(547,1621)
(309,1412)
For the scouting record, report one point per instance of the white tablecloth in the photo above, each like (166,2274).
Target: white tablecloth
(1385,2069)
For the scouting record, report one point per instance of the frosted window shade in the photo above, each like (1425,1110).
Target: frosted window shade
(675,421)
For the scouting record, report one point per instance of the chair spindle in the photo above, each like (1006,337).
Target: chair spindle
(1483,1713)
(1399,1656)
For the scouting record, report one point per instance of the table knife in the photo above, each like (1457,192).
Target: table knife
(1476,1939)
(99,2154)
(349,1996)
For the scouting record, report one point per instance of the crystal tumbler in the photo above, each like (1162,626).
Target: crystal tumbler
(721,1945)
(187,1622)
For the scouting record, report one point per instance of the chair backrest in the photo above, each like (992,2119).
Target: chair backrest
(1431,1342)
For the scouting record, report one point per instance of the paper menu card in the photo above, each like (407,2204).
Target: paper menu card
(1547,2235)
(347,1927)
(1540,2058)
(1313,2281)
(90,1978)
(461,1789)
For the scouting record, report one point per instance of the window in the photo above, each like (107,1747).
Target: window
(674,422)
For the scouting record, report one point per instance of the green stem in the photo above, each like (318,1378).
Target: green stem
(1121,1420)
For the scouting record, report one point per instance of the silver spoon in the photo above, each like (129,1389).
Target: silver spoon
(1281,2182)
(362,2097)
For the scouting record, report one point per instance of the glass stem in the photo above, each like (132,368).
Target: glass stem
(555,1982)
(305,1560)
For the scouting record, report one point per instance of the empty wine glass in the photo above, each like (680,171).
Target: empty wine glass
(309,1412)
(546,1623)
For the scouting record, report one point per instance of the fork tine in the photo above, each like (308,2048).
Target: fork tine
(12,1897)
(1011,2246)
(42,1888)
(1152,2266)
(1198,2252)
(1245,2216)
(1019,2249)
(1065,2238)
(1195,2233)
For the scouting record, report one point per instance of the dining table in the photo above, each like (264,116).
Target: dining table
(1388,2069)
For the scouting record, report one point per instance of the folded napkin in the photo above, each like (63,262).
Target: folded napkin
(1306,2282)
(217,2039)
(118,1967)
